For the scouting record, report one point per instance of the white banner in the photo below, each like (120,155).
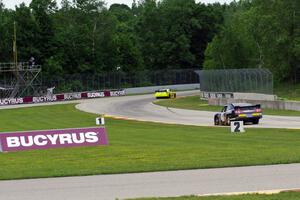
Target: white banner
(11,101)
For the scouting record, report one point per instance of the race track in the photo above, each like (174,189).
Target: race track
(140,107)
(158,184)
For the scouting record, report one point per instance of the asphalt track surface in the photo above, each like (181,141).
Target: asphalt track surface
(158,184)
(141,107)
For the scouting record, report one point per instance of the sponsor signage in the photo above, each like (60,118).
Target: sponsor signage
(117,93)
(216,95)
(71,96)
(61,97)
(43,99)
(95,94)
(11,101)
(45,139)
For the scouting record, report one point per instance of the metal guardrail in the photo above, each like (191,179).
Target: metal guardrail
(21,66)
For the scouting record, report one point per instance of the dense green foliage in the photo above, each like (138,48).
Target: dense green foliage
(259,34)
(139,146)
(84,36)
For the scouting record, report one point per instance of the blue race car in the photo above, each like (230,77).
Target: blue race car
(238,112)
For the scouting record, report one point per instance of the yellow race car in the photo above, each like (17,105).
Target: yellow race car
(165,93)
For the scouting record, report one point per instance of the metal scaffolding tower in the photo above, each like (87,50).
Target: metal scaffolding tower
(19,80)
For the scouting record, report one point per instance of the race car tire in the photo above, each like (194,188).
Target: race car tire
(217,121)
(255,121)
(227,121)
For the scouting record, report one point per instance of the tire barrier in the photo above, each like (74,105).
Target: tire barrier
(62,97)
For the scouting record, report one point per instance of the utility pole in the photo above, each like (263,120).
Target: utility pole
(15,52)
(15,47)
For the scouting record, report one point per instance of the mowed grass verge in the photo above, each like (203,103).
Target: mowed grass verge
(139,146)
(195,103)
(288,91)
(280,196)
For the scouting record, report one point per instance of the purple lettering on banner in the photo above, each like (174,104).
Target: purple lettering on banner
(27,99)
(84,95)
(45,139)
(107,93)
(60,97)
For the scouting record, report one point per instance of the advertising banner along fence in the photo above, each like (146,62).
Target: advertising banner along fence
(62,97)
(45,139)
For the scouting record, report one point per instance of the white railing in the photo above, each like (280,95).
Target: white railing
(21,66)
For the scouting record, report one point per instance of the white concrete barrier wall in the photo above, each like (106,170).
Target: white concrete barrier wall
(151,89)
(254,96)
(266,100)
(237,95)
(282,105)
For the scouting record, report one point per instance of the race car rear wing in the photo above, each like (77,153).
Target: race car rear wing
(255,108)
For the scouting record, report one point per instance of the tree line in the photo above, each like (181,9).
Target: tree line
(85,36)
(259,34)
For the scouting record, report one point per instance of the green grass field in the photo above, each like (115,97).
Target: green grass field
(194,103)
(280,196)
(288,91)
(139,146)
